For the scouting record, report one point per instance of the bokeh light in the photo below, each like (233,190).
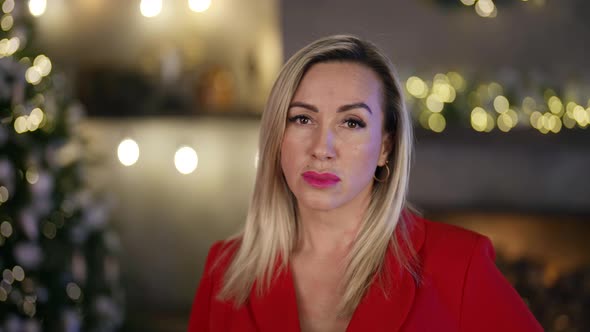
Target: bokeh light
(8,6)
(501,104)
(555,105)
(4,194)
(186,160)
(416,87)
(7,22)
(43,63)
(150,8)
(484,8)
(434,103)
(128,152)
(437,122)
(479,119)
(199,6)
(37,7)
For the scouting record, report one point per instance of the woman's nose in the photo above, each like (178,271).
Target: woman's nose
(323,144)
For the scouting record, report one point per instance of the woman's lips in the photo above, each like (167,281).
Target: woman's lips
(320,180)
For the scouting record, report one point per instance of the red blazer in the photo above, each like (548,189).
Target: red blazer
(462,290)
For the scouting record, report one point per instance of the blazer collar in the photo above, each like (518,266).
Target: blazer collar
(276,310)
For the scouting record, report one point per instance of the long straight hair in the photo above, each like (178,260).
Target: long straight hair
(265,245)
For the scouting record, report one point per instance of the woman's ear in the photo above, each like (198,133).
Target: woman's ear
(386,146)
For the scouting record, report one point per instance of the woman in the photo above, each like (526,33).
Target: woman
(329,243)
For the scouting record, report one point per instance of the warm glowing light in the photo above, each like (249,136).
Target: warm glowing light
(128,152)
(150,8)
(580,115)
(20,124)
(568,121)
(199,6)
(43,63)
(33,75)
(37,7)
(555,124)
(8,6)
(9,46)
(555,105)
(73,291)
(484,8)
(468,2)
(7,22)
(505,122)
(32,176)
(36,117)
(4,195)
(3,47)
(569,109)
(536,120)
(437,122)
(456,80)
(501,104)
(416,87)
(444,91)
(479,119)
(434,103)
(6,229)
(186,160)
(513,115)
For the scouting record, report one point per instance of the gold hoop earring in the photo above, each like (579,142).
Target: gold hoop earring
(388,173)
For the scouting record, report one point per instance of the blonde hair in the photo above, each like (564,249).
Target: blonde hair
(269,237)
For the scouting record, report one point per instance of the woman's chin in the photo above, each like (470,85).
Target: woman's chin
(321,202)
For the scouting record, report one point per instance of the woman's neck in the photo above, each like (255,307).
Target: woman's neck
(330,232)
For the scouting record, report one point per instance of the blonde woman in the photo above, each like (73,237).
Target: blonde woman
(329,243)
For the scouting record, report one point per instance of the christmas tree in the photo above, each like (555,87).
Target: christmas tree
(58,263)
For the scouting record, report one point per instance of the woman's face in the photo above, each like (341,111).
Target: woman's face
(334,137)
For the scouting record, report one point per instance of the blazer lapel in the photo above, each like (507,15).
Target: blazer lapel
(387,311)
(276,310)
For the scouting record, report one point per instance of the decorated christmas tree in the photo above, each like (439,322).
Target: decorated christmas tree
(58,257)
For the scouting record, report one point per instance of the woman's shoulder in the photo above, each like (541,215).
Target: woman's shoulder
(437,234)
(449,248)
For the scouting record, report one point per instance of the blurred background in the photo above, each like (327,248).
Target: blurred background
(129,133)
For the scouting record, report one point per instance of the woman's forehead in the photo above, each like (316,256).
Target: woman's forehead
(340,83)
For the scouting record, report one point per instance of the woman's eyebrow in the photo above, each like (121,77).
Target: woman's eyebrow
(342,108)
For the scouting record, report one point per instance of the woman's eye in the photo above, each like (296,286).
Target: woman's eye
(300,119)
(353,124)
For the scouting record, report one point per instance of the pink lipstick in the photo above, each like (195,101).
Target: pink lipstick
(320,180)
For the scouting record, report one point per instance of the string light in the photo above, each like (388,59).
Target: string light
(491,95)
